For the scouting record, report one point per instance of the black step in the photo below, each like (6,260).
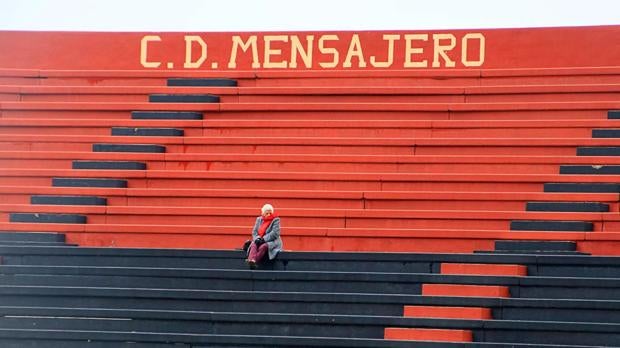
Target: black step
(183,98)
(606,133)
(202,82)
(148,148)
(598,151)
(591,169)
(613,114)
(166,115)
(156,132)
(68,200)
(583,187)
(113,165)
(535,245)
(567,206)
(41,237)
(88,182)
(551,225)
(530,252)
(48,218)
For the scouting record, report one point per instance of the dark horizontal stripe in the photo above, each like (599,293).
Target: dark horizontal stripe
(183,98)
(48,218)
(129,148)
(112,165)
(166,115)
(68,200)
(540,225)
(160,132)
(88,182)
(202,82)
(567,206)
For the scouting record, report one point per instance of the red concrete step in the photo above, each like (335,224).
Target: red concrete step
(483,269)
(446,312)
(403,132)
(486,201)
(229,236)
(465,290)
(315,107)
(329,218)
(342,93)
(417,334)
(542,76)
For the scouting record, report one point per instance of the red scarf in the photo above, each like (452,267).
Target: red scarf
(266,222)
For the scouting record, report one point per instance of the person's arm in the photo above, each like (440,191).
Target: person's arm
(274,231)
(255,229)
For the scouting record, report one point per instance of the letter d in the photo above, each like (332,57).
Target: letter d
(189,41)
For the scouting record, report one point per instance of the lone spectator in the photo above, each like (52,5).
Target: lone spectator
(266,239)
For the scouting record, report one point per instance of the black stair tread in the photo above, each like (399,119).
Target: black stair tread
(31,236)
(598,151)
(567,206)
(198,257)
(613,114)
(582,187)
(300,296)
(47,218)
(316,319)
(163,132)
(113,165)
(202,82)
(76,273)
(150,148)
(89,182)
(551,225)
(237,341)
(606,133)
(535,245)
(67,200)
(166,115)
(531,252)
(183,98)
(590,169)
(9,243)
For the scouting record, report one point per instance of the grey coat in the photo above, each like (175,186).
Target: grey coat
(272,236)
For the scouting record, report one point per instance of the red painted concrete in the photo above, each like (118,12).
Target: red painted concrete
(475,313)
(465,290)
(415,334)
(483,269)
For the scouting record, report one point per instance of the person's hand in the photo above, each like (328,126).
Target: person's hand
(258,241)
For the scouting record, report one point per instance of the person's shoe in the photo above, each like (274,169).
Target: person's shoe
(252,264)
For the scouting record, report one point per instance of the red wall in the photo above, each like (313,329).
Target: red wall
(503,48)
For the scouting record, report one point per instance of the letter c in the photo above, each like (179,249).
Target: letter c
(144,51)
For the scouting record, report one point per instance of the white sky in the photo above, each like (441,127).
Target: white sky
(293,15)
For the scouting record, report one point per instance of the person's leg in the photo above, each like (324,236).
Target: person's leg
(252,253)
(262,251)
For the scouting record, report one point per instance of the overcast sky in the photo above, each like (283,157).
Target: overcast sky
(292,15)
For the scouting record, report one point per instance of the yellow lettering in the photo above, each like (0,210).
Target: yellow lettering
(250,43)
(409,51)
(267,63)
(440,50)
(328,50)
(144,51)
(464,55)
(189,40)
(297,49)
(390,56)
(355,50)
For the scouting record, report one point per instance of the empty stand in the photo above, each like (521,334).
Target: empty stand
(470,206)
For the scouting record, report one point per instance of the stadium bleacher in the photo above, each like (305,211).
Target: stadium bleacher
(420,208)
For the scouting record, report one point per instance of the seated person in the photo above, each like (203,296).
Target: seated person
(266,239)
